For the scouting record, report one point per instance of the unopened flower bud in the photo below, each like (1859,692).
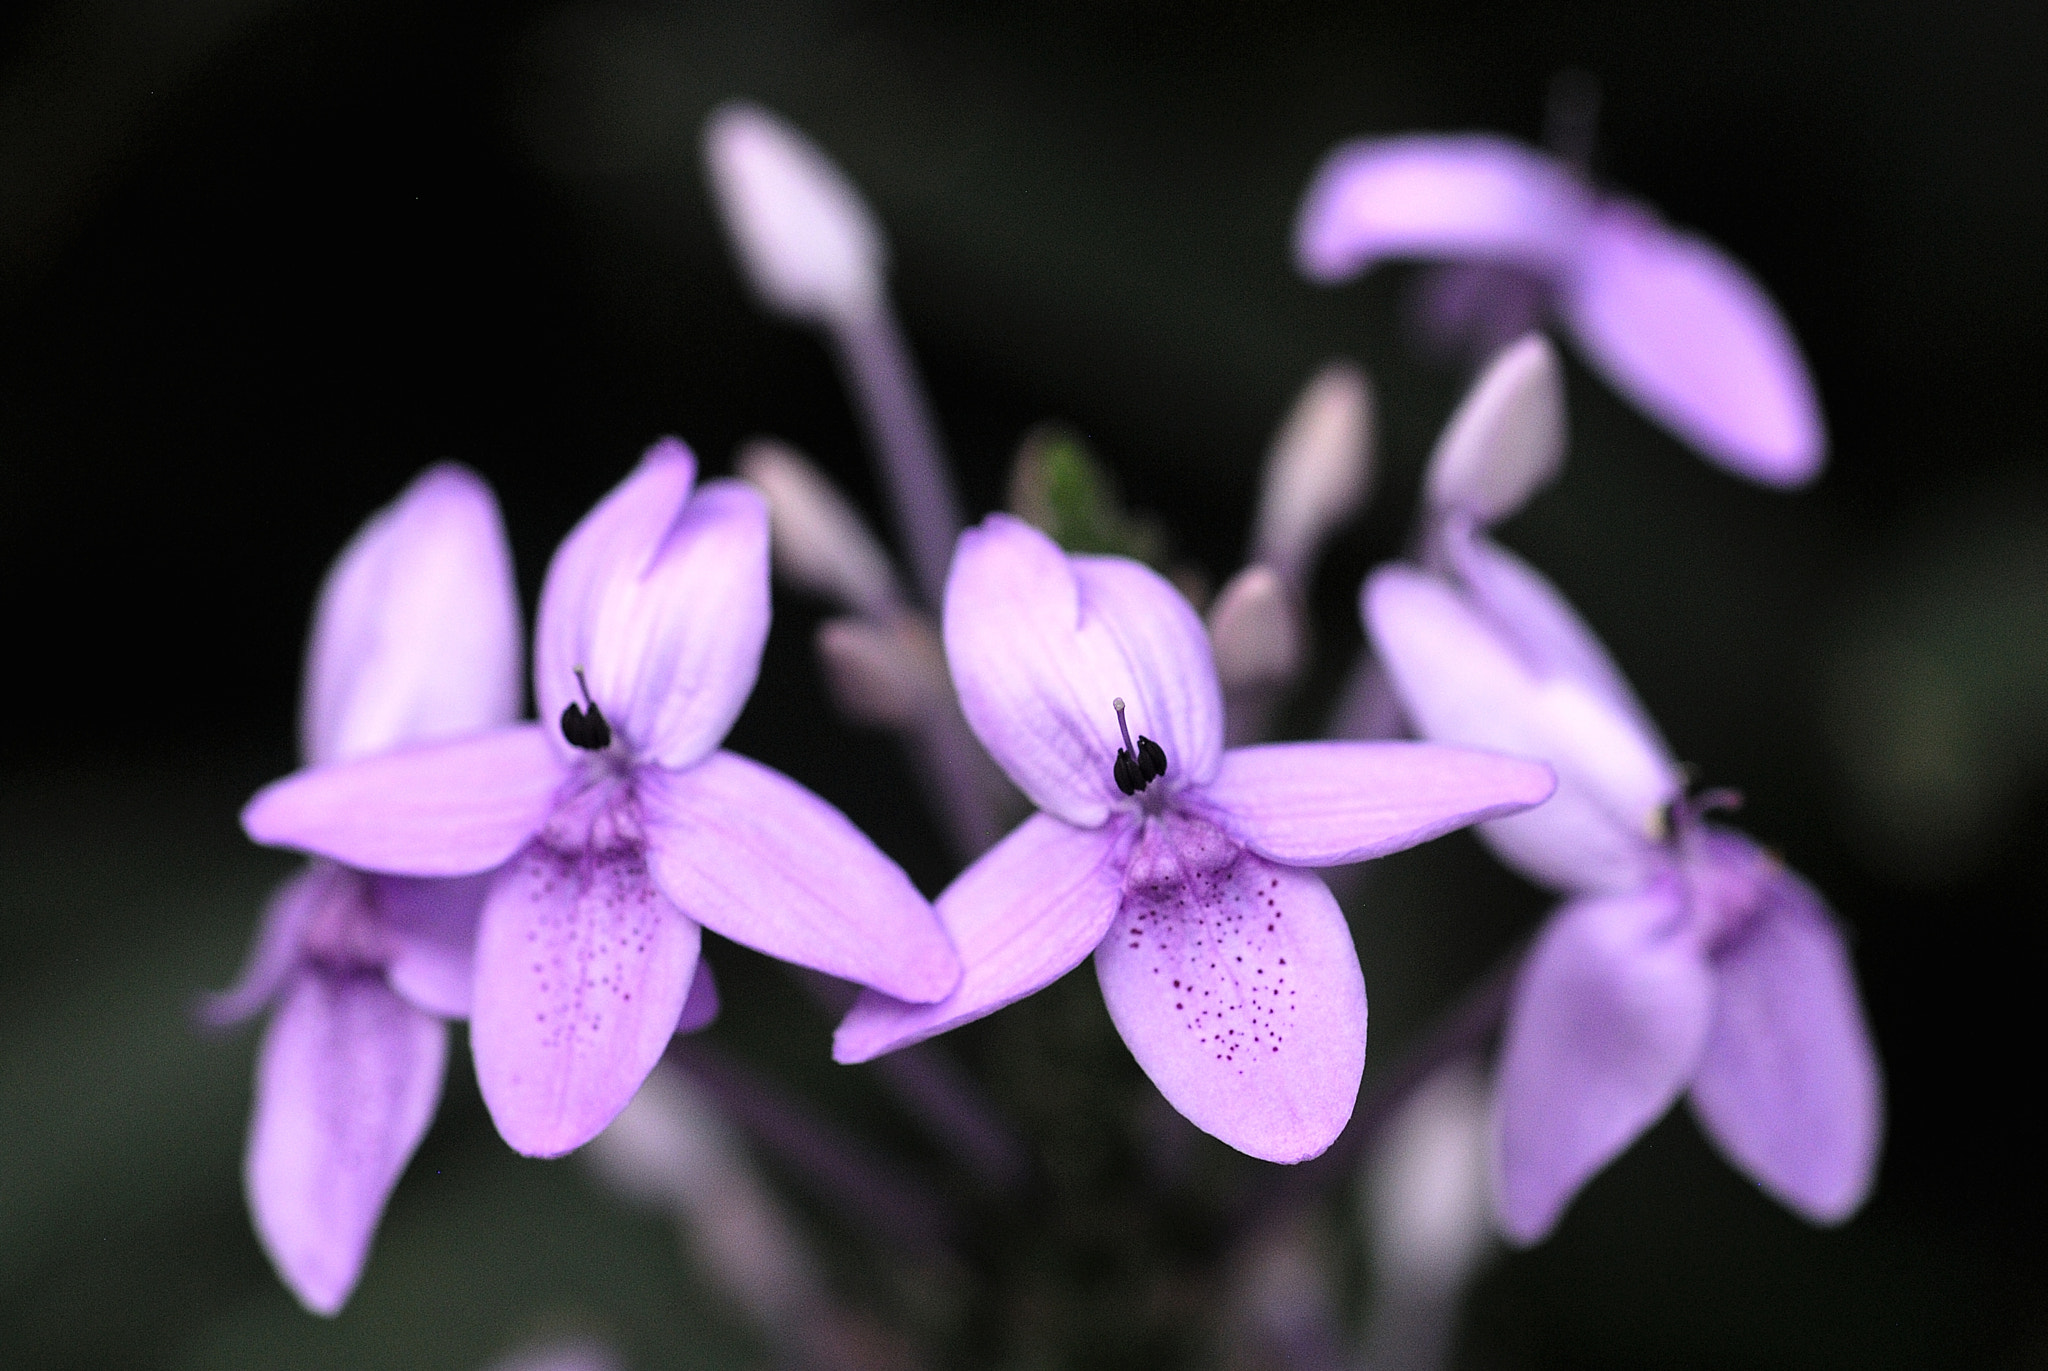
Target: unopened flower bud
(890,673)
(1506,441)
(1317,472)
(806,239)
(1255,630)
(818,539)
(1428,1206)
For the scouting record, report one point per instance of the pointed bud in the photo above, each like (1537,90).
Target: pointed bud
(1318,470)
(1255,630)
(807,241)
(818,540)
(1506,440)
(1428,1193)
(889,673)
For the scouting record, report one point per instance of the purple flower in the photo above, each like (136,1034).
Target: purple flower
(1227,968)
(621,827)
(1670,320)
(416,637)
(1687,960)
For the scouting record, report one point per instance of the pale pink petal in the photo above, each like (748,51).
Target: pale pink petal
(582,970)
(1024,915)
(440,809)
(752,855)
(1238,990)
(1679,327)
(431,927)
(1041,645)
(1438,195)
(346,1085)
(417,635)
(1326,804)
(661,596)
(278,946)
(702,1005)
(1790,1087)
(1606,1027)
(1461,682)
(1506,440)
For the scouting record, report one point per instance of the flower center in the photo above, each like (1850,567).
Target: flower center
(584,725)
(1139,765)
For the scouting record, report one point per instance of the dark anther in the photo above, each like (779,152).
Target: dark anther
(584,725)
(1137,765)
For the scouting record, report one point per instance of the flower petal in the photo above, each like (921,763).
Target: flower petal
(441,809)
(1326,804)
(417,633)
(275,952)
(661,597)
(432,929)
(1679,327)
(1790,1087)
(1607,1025)
(346,1085)
(1506,441)
(1041,644)
(582,970)
(754,856)
(1460,682)
(1438,195)
(1239,993)
(702,1005)
(1026,913)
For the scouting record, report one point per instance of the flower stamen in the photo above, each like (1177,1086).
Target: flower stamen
(1136,766)
(584,725)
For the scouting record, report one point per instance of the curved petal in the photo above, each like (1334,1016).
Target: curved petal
(1026,913)
(1238,990)
(441,809)
(1506,441)
(1680,328)
(416,635)
(345,1087)
(276,951)
(754,856)
(431,925)
(1040,645)
(661,597)
(1607,1025)
(1461,683)
(1790,1087)
(701,1006)
(1438,195)
(582,969)
(1326,804)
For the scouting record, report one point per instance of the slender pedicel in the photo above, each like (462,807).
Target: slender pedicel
(1136,766)
(584,725)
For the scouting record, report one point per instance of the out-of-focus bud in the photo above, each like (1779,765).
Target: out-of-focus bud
(1318,470)
(820,542)
(1428,1188)
(807,240)
(887,672)
(1506,440)
(565,1354)
(1256,630)
(672,1149)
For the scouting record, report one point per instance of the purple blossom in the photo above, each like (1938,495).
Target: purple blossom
(621,828)
(1227,968)
(416,637)
(1666,317)
(1686,960)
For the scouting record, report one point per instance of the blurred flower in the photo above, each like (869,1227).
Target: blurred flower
(1666,317)
(1318,472)
(1687,959)
(1228,970)
(624,827)
(416,637)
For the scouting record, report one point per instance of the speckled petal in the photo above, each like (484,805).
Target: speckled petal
(582,969)
(1235,983)
(346,1084)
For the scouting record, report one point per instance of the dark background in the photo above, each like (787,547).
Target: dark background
(261,261)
